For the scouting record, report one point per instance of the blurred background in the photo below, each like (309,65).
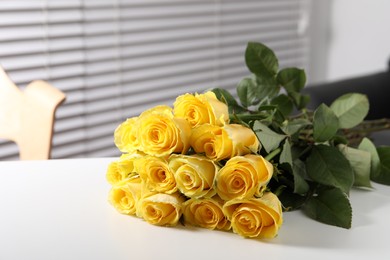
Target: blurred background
(114,59)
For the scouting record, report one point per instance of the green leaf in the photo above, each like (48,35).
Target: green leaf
(351,109)
(285,155)
(339,139)
(267,87)
(325,124)
(361,164)
(283,104)
(295,125)
(327,165)
(268,138)
(266,108)
(300,100)
(292,79)
(368,146)
(246,118)
(224,96)
(298,151)
(261,60)
(299,172)
(384,174)
(330,206)
(290,200)
(246,91)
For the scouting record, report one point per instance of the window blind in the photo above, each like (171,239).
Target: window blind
(114,59)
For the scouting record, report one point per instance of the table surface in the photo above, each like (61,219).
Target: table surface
(58,209)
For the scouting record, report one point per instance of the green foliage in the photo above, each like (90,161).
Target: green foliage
(361,164)
(269,139)
(384,174)
(351,109)
(267,87)
(228,99)
(317,155)
(294,125)
(328,166)
(330,206)
(368,146)
(246,91)
(325,124)
(299,172)
(261,60)
(300,100)
(284,104)
(285,155)
(293,79)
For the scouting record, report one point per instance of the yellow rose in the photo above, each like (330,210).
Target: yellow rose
(206,213)
(204,138)
(125,196)
(219,143)
(194,175)
(160,208)
(125,136)
(157,110)
(256,217)
(244,139)
(242,177)
(201,109)
(122,168)
(161,134)
(156,174)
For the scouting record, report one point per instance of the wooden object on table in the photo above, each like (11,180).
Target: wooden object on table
(27,117)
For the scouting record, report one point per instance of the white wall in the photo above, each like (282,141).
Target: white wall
(355,41)
(360,37)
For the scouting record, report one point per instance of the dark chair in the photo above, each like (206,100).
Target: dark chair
(377,88)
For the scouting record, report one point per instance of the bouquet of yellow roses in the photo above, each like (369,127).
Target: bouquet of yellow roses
(189,162)
(213,162)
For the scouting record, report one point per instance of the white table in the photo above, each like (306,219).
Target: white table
(58,209)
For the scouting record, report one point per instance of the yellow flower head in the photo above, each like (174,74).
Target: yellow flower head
(219,143)
(201,109)
(160,134)
(125,196)
(194,175)
(122,169)
(161,209)
(255,217)
(206,213)
(125,136)
(243,177)
(156,174)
